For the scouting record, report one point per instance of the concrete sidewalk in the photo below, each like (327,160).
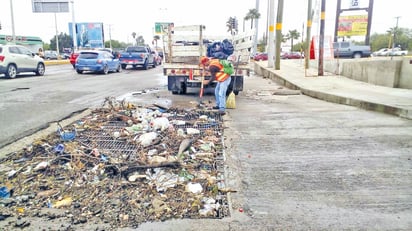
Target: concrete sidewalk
(339,89)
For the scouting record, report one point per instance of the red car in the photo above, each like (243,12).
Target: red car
(73,58)
(260,56)
(292,55)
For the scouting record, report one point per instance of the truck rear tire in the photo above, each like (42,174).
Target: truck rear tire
(124,66)
(146,65)
(357,55)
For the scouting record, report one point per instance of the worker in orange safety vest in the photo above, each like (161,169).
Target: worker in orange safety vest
(223,79)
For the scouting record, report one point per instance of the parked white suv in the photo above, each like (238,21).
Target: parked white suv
(15,59)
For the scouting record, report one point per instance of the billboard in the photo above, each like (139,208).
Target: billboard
(50,6)
(353,25)
(89,34)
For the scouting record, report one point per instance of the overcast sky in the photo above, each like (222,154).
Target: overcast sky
(126,16)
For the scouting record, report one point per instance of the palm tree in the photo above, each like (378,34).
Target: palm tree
(156,38)
(134,36)
(229,25)
(252,15)
(140,40)
(293,34)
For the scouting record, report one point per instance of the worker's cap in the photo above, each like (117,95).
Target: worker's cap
(204,60)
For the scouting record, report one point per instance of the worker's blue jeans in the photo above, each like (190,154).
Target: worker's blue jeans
(220,93)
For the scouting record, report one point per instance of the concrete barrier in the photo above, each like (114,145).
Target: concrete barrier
(393,72)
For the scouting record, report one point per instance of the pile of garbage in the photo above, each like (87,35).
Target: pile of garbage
(122,164)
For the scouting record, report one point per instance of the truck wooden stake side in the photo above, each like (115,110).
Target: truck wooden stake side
(183,49)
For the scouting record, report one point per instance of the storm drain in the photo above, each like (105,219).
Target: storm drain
(127,149)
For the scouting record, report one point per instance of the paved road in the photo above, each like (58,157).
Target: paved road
(30,103)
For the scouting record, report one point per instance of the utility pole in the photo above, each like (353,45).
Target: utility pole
(57,36)
(74,28)
(12,22)
(271,41)
(395,30)
(110,35)
(279,18)
(321,38)
(256,30)
(308,29)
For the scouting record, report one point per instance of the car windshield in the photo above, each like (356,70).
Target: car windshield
(88,55)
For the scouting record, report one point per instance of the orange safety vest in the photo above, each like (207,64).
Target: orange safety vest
(221,75)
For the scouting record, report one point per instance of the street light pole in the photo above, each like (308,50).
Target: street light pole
(395,30)
(13,33)
(74,28)
(110,35)
(57,36)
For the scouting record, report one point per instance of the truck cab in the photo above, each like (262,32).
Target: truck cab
(349,50)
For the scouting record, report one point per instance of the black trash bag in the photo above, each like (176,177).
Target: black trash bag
(227,47)
(213,48)
(220,50)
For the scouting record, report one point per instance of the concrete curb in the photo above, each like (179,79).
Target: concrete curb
(356,102)
(56,62)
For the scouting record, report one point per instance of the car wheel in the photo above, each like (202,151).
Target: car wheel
(154,64)
(357,55)
(79,71)
(11,71)
(40,69)
(105,70)
(124,66)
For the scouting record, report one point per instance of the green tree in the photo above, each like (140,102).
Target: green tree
(292,35)
(65,41)
(115,44)
(403,39)
(252,15)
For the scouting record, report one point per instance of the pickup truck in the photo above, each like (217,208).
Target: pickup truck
(350,50)
(397,51)
(136,56)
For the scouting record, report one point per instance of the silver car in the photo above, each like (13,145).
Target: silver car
(16,59)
